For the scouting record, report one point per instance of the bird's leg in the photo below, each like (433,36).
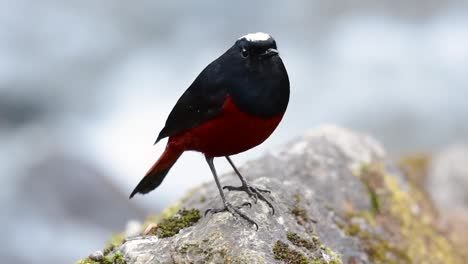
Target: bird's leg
(227,206)
(254,192)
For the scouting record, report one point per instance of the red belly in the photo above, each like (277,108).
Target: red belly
(230,133)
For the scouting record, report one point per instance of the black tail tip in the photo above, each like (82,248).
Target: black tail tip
(133,194)
(149,182)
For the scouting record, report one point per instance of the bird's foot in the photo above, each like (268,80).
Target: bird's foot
(233,210)
(253,192)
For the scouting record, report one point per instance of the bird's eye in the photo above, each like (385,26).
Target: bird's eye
(244,53)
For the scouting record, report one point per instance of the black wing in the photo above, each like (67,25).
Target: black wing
(202,101)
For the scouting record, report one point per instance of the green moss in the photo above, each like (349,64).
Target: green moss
(332,256)
(416,167)
(171,226)
(369,216)
(335,259)
(282,252)
(202,199)
(87,261)
(195,249)
(300,214)
(317,252)
(297,198)
(373,185)
(207,250)
(113,243)
(166,213)
(381,250)
(402,234)
(353,229)
(300,242)
(418,231)
(173,208)
(374,199)
(316,240)
(377,248)
(302,218)
(318,261)
(117,258)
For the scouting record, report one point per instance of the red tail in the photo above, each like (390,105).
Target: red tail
(156,174)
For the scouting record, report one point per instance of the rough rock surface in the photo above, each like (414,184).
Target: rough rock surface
(337,200)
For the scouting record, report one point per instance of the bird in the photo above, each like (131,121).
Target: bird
(233,105)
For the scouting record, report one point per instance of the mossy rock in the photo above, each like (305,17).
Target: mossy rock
(403,229)
(116,258)
(171,226)
(304,251)
(324,213)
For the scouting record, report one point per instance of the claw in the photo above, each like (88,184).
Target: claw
(253,192)
(234,210)
(247,204)
(242,188)
(263,190)
(207,211)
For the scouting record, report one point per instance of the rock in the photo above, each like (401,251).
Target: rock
(337,200)
(96,256)
(448,178)
(447,183)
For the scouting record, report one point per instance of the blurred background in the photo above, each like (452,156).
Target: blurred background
(85,86)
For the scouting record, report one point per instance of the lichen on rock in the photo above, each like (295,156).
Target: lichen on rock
(403,230)
(116,258)
(172,225)
(315,251)
(284,253)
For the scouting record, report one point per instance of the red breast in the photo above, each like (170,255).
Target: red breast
(232,132)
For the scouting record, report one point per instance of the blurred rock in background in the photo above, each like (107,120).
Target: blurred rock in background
(63,203)
(448,184)
(86,85)
(448,178)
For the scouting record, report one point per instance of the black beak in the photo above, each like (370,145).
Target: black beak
(270,53)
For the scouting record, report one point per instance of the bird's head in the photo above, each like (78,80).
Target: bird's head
(256,46)
(254,60)
(254,52)
(253,73)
